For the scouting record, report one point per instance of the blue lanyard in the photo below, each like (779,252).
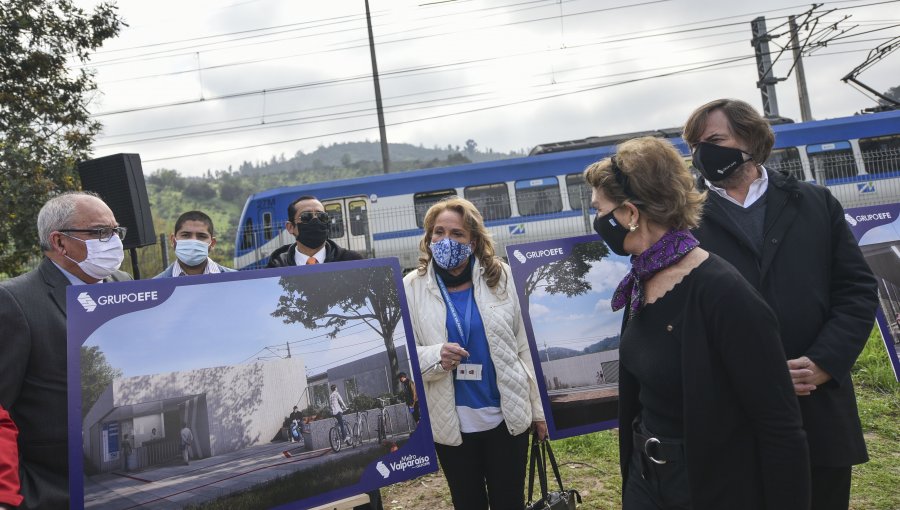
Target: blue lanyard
(463,335)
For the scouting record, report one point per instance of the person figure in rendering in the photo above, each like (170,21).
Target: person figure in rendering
(187,442)
(337,409)
(408,393)
(192,240)
(790,240)
(309,224)
(82,245)
(476,363)
(127,450)
(708,418)
(153,435)
(296,418)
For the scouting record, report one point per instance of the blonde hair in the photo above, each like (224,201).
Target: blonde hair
(474,223)
(659,183)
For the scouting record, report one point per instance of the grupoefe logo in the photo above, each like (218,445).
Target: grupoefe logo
(850,219)
(381,468)
(86,301)
(115,299)
(518,255)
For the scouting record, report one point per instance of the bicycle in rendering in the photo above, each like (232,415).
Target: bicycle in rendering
(354,435)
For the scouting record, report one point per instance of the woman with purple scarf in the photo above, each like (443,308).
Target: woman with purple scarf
(707,412)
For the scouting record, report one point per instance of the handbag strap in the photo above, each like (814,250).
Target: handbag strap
(535,452)
(554,465)
(542,468)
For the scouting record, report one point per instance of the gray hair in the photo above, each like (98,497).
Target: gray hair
(57,214)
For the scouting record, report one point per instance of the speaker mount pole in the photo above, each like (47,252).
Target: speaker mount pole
(134,264)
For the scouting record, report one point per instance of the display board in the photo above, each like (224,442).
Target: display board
(182,390)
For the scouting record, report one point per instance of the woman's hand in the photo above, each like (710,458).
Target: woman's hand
(451,355)
(540,430)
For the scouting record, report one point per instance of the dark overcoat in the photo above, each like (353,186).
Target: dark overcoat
(813,275)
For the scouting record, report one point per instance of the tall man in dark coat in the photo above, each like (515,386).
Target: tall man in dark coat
(82,245)
(309,223)
(789,239)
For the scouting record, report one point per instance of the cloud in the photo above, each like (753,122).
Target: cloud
(603,305)
(537,310)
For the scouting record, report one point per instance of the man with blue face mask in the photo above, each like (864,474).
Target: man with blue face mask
(82,244)
(193,239)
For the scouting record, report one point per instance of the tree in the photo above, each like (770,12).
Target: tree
(335,299)
(893,93)
(96,375)
(470,147)
(566,276)
(45,127)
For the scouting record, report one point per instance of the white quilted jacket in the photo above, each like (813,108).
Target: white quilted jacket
(505,331)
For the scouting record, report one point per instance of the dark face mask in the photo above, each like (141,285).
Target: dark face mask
(613,234)
(312,234)
(716,162)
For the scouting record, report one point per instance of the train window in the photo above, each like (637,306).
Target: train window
(247,237)
(359,217)
(424,201)
(880,155)
(831,160)
(575,186)
(786,161)
(538,196)
(267,226)
(336,212)
(492,200)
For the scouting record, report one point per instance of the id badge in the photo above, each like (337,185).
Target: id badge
(468,372)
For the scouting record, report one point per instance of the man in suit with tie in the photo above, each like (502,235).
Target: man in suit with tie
(82,245)
(309,224)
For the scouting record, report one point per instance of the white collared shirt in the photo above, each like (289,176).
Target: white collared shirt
(757,189)
(301,259)
(211,268)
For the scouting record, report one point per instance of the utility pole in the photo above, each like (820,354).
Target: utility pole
(802,93)
(288,345)
(767,81)
(385,159)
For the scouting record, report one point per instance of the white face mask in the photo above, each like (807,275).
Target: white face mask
(191,251)
(103,257)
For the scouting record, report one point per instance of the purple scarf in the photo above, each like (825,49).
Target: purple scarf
(670,248)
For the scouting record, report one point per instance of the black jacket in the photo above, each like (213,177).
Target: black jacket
(286,255)
(33,379)
(813,275)
(743,438)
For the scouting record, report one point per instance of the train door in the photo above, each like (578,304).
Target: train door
(265,230)
(350,223)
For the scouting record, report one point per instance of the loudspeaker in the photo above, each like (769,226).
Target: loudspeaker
(119,181)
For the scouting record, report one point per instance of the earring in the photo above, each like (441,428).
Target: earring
(632,227)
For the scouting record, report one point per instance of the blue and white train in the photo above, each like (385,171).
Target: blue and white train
(542,196)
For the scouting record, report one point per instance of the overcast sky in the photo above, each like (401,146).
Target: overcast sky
(509,74)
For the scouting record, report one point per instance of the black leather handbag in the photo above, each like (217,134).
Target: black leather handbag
(550,500)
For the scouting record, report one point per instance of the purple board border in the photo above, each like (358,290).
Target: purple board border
(861,221)
(81,324)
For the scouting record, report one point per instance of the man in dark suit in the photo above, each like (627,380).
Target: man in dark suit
(789,239)
(309,223)
(82,244)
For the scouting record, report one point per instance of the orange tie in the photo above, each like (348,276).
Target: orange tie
(310,261)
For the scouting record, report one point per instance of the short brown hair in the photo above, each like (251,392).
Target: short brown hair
(746,123)
(659,182)
(474,223)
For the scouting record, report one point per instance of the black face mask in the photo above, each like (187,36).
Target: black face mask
(716,162)
(613,234)
(312,234)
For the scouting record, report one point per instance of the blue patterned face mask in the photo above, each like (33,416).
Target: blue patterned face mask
(450,254)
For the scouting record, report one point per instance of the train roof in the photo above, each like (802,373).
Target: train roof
(577,154)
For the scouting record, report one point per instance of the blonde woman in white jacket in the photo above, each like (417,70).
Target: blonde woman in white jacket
(476,364)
